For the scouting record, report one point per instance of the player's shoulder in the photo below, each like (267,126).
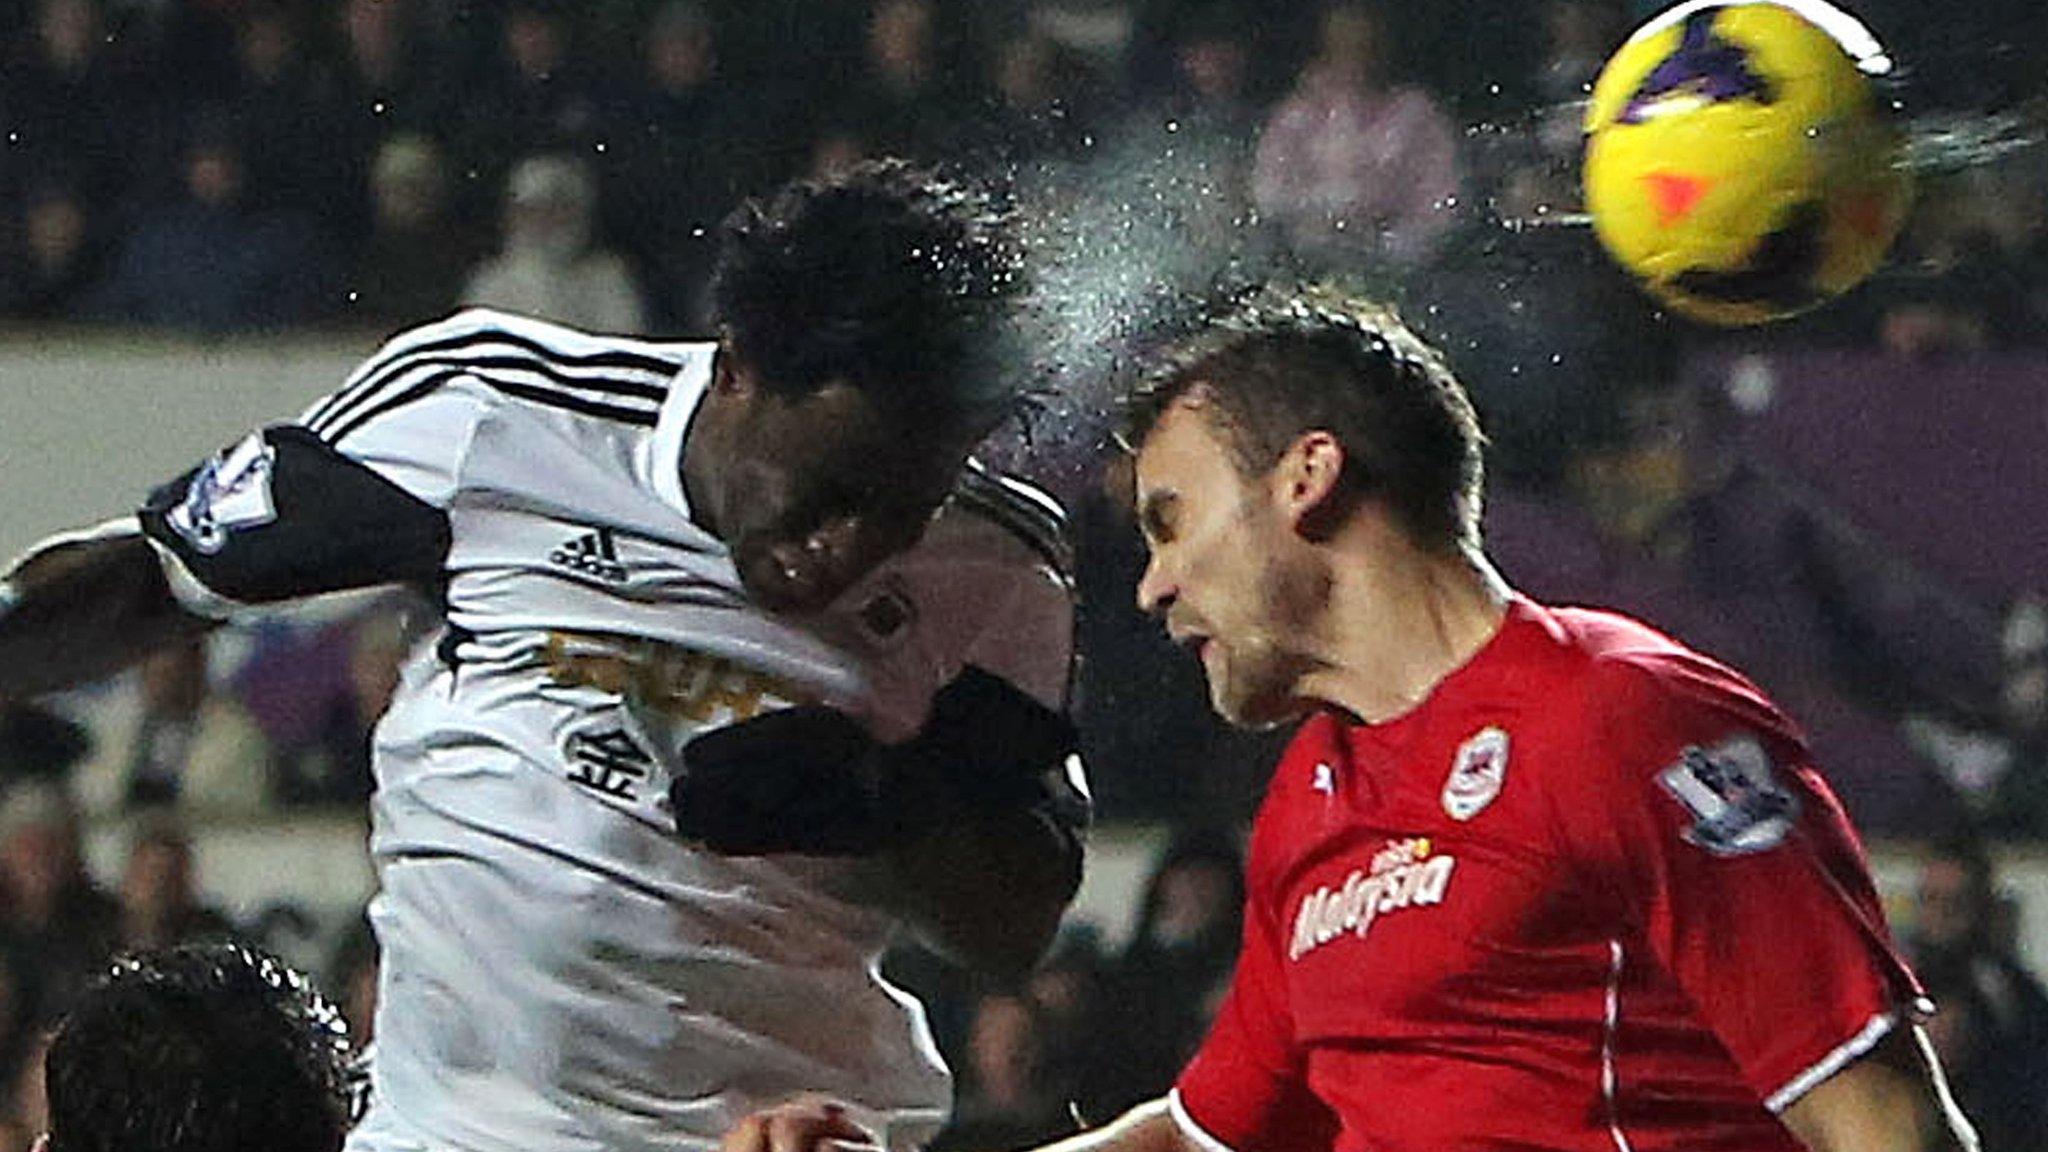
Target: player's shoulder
(480,325)
(1642,688)
(1012,517)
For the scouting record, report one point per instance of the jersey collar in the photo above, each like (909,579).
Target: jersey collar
(665,450)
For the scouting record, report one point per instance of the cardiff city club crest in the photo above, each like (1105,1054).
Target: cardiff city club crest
(1477,773)
(1737,804)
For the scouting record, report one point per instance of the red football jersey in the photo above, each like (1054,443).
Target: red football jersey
(1591,894)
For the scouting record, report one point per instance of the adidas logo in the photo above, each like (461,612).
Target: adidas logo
(593,554)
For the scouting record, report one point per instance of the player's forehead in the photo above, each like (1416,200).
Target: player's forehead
(1184,453)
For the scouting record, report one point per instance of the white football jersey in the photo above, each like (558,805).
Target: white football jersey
(561,973)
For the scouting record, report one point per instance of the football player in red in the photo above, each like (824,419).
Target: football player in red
(1527,877)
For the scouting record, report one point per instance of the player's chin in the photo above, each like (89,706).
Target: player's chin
(1252,706)
(806,572)
(783,578)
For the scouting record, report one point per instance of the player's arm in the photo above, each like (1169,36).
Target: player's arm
(1894,1099)
(351,496)
(1243,1090)
(995,854)
(1742,876)
(820,1125)
(971,829)
(83,606)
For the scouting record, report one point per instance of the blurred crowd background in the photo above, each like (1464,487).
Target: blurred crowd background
(1853,507)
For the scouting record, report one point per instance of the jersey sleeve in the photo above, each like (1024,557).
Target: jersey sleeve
(1245,1090)
(1703,813)
(1028,639)
(352,494)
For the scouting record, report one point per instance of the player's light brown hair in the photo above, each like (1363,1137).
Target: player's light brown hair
(1285,362)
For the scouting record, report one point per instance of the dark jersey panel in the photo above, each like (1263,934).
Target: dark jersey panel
(283,515)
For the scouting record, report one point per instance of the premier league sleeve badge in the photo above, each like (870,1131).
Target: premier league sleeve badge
(1732,790)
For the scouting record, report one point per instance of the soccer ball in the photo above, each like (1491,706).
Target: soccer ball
(1739,160)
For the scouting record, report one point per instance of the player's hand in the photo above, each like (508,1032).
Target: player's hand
(809,1124)
(811,781)
(798,780)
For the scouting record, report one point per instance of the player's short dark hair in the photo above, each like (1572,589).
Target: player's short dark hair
(201,1048)
(1284,362)
(884,276)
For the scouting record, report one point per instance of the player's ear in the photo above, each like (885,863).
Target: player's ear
(729,376)
(1308,482)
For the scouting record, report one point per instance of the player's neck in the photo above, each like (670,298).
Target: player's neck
(1397,627)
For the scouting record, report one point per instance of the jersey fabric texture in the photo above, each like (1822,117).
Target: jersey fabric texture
(1589,895)
(560,972)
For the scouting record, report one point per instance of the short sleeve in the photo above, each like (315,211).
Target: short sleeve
(1702,812)
(352,495)
(1030,640)
(1245,1089)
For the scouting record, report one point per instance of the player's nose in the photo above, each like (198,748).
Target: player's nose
(1156,589)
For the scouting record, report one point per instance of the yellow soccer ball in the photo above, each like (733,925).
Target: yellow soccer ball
(1739,160)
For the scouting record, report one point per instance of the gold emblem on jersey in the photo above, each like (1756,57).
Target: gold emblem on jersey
(668,679)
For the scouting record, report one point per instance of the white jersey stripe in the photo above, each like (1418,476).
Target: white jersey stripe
(1609,1077)
(1197,1135)
(625,374)
(536,390)
(1855,1047)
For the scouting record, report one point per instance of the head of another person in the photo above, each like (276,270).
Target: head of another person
(1351,44)
(1295,433)
(214,1048)
(1955,900)
(867,342)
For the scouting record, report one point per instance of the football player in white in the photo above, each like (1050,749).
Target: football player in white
(743,667)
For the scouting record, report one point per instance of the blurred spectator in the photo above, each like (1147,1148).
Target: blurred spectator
(550,265)
(334,767)
(55,255)
(1351,166)
(20,1031)
(1167,985)
(1004,1100)
(837,145)
(905,92)
(1961,942)
(1960,918)
(1997,760)
(60,921)
(1997,1083)
(1194,141)
(68,105)
(534,93)
(159,905)
(207,262)
(28,1101)
(176,740)
(295,161)
(1210,54)
(665,199)
(1542,169)
(379,80)
(37,744)
(1037,93)
(411,267)
(1068,990)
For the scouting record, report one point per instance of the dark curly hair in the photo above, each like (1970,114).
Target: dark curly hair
(201,1048)
(884,276)
(1277,362)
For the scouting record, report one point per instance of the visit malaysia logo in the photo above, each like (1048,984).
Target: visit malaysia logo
(1404,874)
